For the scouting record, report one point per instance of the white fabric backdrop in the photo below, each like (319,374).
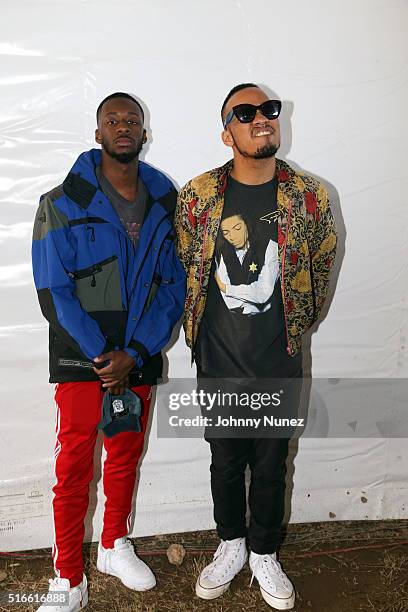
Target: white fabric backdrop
(341,69)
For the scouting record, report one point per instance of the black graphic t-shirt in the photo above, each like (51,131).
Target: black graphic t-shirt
(242,333)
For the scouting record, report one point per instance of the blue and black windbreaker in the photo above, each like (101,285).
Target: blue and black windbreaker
(96,289)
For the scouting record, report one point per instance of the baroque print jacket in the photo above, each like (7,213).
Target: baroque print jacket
(306,245)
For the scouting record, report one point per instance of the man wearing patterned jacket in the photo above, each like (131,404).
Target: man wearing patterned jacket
(257,240)
(111,286)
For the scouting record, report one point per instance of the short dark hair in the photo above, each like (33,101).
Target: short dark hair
(118,94)
(234,91)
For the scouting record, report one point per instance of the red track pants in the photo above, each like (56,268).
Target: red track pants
(78,414)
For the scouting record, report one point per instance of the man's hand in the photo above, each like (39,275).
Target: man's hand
(118,368)
(119,388)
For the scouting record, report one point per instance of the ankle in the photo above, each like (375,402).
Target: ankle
(255,555)
(108,543)
(74,579)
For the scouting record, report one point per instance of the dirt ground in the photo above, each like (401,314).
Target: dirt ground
(336,567)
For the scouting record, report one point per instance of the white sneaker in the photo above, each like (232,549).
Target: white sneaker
(276,588)
(229,559)
(122,562)
(77,598)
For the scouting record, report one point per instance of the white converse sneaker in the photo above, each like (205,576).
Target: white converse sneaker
(276,588)
(77,596)
(122,562)
(229,559)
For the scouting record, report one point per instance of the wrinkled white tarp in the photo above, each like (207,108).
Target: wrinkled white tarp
(341,69)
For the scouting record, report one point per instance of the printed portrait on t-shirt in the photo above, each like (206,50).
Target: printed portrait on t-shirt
(242,333)
(246,265)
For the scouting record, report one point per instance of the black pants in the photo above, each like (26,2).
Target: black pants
(266,458)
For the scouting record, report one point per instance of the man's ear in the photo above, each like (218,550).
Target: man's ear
(98,136)
(144,138)
(227,138)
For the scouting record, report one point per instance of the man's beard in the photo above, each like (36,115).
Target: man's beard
(265,152)
(127,156)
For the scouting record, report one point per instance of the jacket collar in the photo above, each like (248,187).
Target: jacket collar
(217,180)
(82,187)
(283,173)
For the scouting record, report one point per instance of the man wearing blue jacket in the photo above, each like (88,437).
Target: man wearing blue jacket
(112,288)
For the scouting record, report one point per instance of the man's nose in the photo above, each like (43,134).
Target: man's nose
(259,117)
(123,126)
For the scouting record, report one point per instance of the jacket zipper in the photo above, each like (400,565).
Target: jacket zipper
(141,266)
(289,349)
(92,270)
(85,221)
(127,270)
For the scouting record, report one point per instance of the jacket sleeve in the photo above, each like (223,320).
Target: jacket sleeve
(322,245)
(184,227)
(165,308)
(53,260)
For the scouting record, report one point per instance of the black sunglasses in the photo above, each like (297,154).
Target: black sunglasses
(245,113)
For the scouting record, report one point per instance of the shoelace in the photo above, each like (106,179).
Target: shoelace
(216,566)
(128,552)
(274,568)
(56,584)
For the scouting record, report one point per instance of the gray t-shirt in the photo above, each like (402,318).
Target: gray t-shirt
(131,214)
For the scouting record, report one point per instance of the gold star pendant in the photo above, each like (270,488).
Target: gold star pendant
(253,267)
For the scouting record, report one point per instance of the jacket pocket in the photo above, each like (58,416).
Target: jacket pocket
(157,280)
(98,286)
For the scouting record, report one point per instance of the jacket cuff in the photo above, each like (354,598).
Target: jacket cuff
(137,348)
(135,356)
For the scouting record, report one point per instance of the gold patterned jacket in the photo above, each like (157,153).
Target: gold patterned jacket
(306,245)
